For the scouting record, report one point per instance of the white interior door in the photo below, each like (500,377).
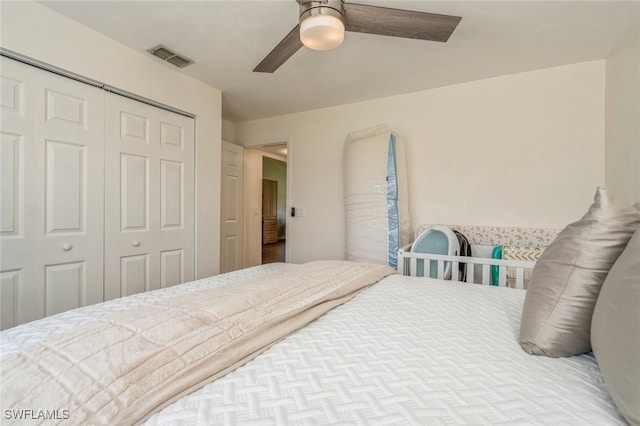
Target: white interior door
(149,195)
(231,208)
(51,213)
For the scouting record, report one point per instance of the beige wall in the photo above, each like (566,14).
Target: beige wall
(37,32)
(520,150)
(622,125)
(228,131)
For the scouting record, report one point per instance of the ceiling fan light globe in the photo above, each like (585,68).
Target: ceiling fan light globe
(322,32)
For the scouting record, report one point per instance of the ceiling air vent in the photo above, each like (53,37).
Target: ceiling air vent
(170,56)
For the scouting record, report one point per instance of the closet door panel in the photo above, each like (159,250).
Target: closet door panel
(70,140)
(171,198)
(11,184)
(149,190)
(10,283)
(66,184)
(171,268)
(12,94)
(134,274)
(134,128)
(134,183)
(21,295)
(52,169)
(65,287)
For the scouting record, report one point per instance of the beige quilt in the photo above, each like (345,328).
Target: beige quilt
(123,367)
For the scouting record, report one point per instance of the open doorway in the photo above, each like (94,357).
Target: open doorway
(266,162)
(274,208)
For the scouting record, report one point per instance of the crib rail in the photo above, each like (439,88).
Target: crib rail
(407,265)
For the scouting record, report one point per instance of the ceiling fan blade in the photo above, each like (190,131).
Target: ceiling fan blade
(283,51)
(398,22)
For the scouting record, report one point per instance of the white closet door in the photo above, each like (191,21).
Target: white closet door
(149,196)
(51,186)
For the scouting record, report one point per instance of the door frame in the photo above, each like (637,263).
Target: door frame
(253,244)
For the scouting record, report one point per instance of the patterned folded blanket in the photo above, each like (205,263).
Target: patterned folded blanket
(124,366)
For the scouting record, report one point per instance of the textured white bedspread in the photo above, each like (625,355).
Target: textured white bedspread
(406,351)
(121,368)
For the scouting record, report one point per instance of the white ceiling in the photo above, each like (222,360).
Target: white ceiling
(227,39)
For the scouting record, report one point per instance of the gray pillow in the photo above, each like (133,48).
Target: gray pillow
(564,287)
(615,331)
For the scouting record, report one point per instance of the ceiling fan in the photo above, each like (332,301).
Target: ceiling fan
(323,23)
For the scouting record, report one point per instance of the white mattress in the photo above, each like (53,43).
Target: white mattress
(405,351)
(376,196)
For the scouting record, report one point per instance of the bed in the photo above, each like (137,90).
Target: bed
(341,342)
(404,350)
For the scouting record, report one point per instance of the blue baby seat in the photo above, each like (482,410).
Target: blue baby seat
(436,239)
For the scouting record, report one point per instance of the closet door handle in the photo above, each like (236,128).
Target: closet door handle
(135,243)
(67,247)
